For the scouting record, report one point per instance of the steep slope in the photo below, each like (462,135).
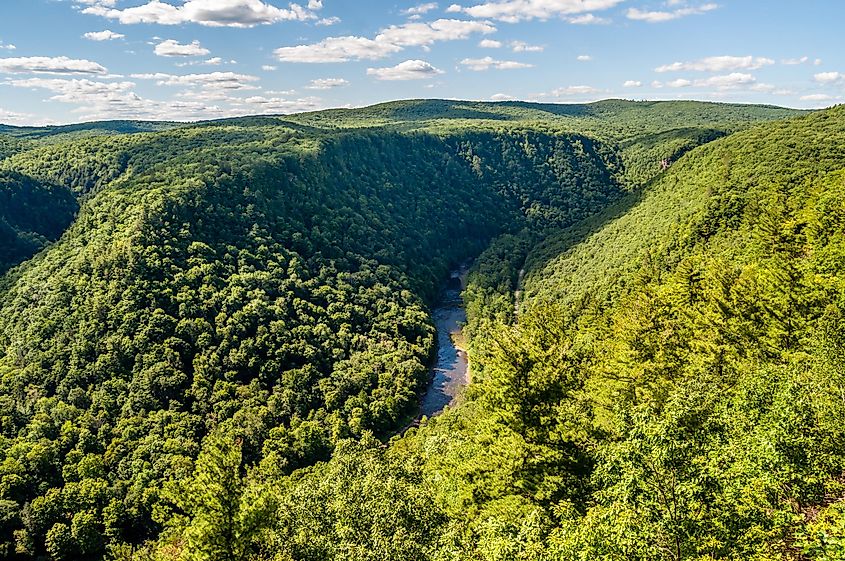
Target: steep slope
(671,388)
(32,214)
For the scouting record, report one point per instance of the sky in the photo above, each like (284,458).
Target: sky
(64,61)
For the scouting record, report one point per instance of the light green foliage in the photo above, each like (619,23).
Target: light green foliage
(698,327)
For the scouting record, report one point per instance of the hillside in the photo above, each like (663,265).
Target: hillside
(236,301)
(671,388)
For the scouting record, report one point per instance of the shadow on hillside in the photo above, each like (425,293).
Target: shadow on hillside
(556,242)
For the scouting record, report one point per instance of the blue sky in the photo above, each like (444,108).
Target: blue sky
(76,60)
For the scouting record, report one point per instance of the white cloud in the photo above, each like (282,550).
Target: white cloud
(828,77)
(268,68)
(523,47)
(574,91)
(214,61)
(337,49)
(171,48)
(486,63)
(417,34)
(214,13)
(408,70)
(50,65)
(722,82)
(718,64)
(390,40)
(327,83)
(420,9)
(501,97)
(518,10)
(587,19)
(106,35)
(728,81)
(261,105)
(76,90)
(584,58)
(209,96)
(7,46)
(818,97)
(659,16)
(14,118)
(679,83)
(795,61)
(516,46)
(632,84)
(328,21)
(315,4)
(219,80)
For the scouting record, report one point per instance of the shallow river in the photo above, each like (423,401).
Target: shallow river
(450,372)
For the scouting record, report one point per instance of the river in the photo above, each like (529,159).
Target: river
(450,373)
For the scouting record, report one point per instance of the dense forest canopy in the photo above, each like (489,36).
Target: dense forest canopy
(206,342)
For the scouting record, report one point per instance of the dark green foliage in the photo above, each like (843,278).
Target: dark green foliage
(32,214)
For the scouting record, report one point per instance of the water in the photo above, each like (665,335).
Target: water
(450,373)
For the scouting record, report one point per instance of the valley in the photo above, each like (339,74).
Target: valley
(210,347)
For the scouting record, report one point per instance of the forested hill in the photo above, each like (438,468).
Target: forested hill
(672,385)
(211,307)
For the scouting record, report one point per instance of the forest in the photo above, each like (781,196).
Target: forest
(212,334)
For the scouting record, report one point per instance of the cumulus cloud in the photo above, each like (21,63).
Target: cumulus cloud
(171,48)
(218,80)
(515,46)
(512,11)
(214,61)
(417,34)
(420,9)
(573,91)
(7,46)
(587,19)
(523,47)
(486,63)
(818,97)
(327,83)
(106,35)
(337,49)
(262,105)
(390,40)
(632,84)
(501,97)
(828,77)
(659,16)
(214,13)
(795,61)
(408,70)
(50,65)
(730,81)
(14,118)
(583,58)
(718,64)
(77,90)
